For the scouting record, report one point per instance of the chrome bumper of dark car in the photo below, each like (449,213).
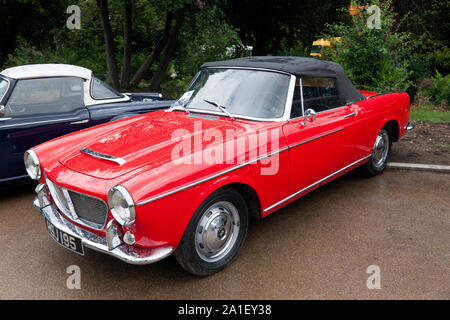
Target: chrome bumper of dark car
(411,125)
(122,251)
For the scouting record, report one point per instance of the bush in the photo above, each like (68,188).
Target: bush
(372,57)
(439,92)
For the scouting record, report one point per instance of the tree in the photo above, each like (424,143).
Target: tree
(111,61)
(175,13)
(32,20)
(266,24)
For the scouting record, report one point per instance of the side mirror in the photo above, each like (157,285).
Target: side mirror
(2,111)
(310,115)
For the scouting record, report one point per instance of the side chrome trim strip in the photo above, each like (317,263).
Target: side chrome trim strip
(314,184)
(209,178)
(80,122)
(37,122)
(315,138)
(102,156)
(231,169)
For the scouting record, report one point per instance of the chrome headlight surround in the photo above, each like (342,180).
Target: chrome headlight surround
(32,165)
(122,205)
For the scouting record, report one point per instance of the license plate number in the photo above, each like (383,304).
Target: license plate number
(66,240)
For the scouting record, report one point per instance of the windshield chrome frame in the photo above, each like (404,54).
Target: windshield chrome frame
(7,88)
(287,107)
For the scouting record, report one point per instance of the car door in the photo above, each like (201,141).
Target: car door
(36,111)
(320,144)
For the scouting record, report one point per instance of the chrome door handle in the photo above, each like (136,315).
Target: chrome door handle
(80,122)
(351,115)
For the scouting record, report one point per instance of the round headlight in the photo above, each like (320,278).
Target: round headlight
(32,165)
(121,205)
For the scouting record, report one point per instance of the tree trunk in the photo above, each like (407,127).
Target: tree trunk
(155,52)
(109,43)
(164,63)
(127,29)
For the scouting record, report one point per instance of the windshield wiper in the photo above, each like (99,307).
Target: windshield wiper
(182,105)
(221,108)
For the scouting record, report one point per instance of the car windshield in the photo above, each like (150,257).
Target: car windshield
(101,90)
(241,92)
(3,88)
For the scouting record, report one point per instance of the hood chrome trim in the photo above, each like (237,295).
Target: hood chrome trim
(102,156)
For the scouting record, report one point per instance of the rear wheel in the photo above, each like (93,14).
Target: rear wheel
(215,233)
(380,153)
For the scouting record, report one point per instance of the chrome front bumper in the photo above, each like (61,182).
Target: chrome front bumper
(124,252)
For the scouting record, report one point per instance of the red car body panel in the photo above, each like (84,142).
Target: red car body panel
(145,143)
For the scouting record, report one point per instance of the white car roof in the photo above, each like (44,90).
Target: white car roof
(46,70)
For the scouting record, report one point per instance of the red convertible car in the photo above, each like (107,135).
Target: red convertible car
(249,136)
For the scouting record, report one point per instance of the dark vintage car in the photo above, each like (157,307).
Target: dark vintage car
(44,101)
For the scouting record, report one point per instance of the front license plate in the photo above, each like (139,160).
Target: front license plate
(64,239)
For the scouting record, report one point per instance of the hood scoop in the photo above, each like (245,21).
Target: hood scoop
(102,156)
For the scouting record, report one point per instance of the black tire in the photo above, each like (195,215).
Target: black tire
(376,166)
(189,252)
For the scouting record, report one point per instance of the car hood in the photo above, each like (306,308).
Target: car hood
(150,141)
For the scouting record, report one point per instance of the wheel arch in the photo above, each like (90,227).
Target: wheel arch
(250,196)
(394,129)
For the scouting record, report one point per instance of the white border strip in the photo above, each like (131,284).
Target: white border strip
(418,166)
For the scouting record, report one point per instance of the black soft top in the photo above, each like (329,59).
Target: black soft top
(299,66)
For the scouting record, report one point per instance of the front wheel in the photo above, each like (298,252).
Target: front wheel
(380,153)
(215,233)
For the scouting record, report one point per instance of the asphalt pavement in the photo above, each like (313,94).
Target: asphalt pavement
(318,247)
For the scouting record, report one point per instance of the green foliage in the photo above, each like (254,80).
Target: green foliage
(272,27)
(371,57)
(297,50)
(439,92)
(409,47)
(217,40)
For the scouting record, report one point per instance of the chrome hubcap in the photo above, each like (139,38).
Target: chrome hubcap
(217,231)
(380,149)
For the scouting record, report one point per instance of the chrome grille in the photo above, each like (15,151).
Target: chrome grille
(88,208)
(81,208)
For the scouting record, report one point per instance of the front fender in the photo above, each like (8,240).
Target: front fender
(164,220)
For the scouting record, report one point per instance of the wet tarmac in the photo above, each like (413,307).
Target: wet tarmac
(319,247)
